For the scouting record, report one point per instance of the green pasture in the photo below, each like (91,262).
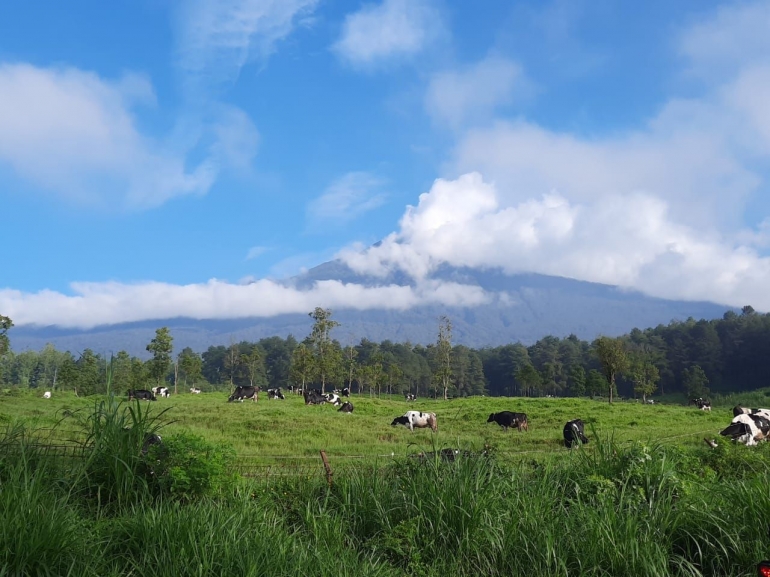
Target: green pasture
(271,429)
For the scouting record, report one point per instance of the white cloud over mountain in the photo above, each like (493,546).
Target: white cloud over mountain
(628,240)
(95,304)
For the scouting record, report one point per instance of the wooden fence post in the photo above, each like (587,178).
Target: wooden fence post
(328,468)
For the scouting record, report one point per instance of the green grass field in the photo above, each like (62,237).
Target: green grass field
(664,506)
(270,429)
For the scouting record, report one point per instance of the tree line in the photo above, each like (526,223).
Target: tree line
(690,357)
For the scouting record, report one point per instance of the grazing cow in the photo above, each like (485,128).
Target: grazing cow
(195,391)
(334,399)
(701,403)
(345,392)
(141,395)
(244,393)
(410,397)
(314,397)
(47,395)
(748,429)
(508,419)
(417,419)
(650,401)
(161,391)
(574,433)
(346,408)
(275,394)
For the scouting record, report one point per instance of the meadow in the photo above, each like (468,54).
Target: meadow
(272,429)
(645,498)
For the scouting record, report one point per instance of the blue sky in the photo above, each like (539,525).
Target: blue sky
(157,156)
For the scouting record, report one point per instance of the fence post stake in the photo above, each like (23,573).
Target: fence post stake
(328,468)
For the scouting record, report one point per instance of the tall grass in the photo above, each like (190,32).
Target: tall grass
(114,448)
(604,509)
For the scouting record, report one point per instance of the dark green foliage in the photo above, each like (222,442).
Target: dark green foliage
(188,467)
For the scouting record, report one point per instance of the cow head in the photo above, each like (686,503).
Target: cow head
(403,420)
(491,418)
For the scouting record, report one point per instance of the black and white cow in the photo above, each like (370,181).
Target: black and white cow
(334,399)
(275,394)
(412,419)
(161,391)
(345,392)
(141,395)
(748,429)
(509,419)
(195,391)
(574,433)
(244,393)
(410,397)
(149,440)
(346,408)
(314,397)
(701,403)
(47,395)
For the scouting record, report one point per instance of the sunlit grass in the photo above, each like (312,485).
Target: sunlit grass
(289,428)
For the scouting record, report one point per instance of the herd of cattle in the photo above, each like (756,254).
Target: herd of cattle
(748,426)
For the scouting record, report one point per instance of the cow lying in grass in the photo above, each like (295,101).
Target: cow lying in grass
(412,419)
(244,393)
(508,419)
(314,397)
(141,394)
(748,429)
(346,408)
(574,433)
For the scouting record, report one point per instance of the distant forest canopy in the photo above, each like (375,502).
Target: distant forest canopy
(691,357)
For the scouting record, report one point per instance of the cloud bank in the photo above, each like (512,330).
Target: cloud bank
(94,304)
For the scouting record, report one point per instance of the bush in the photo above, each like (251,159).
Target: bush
(189,467)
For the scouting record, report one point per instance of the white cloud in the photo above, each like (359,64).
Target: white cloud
(108,303)
(391,29)
(218,37)
(346,199)
(256,251)
(473,93)
(74,134)
(735,36)
(235,137)
(627,240)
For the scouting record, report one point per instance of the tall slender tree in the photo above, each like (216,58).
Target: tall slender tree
(161,348)
(327,362)
(302,366)
(443,373)
(613,358)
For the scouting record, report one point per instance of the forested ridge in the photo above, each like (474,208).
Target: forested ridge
(691,357)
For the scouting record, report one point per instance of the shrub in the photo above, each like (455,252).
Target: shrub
(188,467)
